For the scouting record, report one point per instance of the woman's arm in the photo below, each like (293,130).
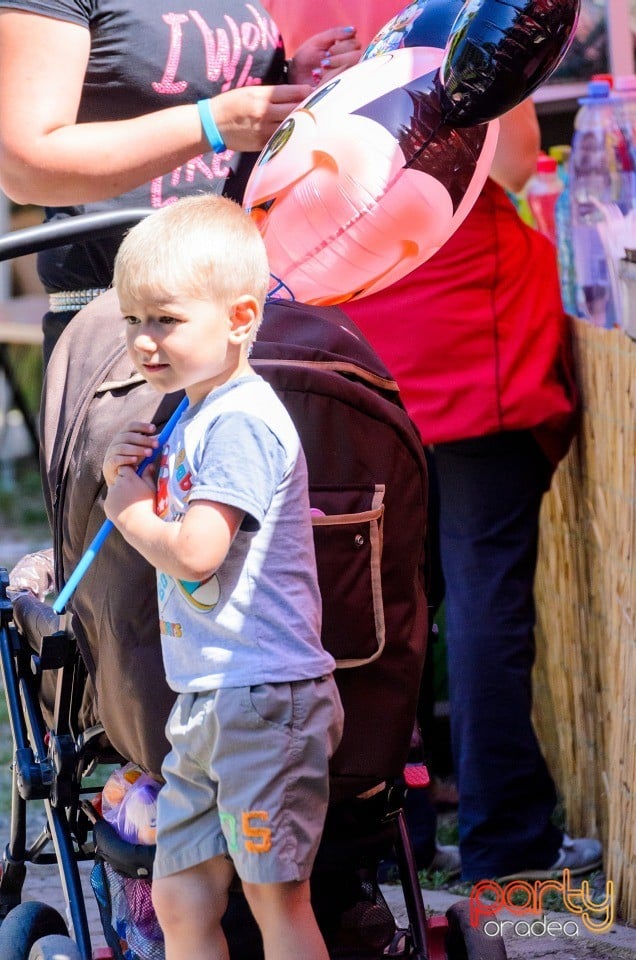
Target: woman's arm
(47,158)
(517,147)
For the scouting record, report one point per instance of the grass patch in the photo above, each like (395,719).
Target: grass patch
(433,880)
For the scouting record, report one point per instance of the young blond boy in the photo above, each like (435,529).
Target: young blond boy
(228,529)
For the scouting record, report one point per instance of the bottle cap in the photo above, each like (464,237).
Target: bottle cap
(596,90)
(561,152)
(546,164)
(604,76)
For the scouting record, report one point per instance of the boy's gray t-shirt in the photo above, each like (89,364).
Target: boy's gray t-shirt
(257,620)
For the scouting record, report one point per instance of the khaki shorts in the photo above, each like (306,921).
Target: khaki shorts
(248,777)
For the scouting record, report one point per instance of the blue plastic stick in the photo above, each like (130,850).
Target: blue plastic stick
(92,550)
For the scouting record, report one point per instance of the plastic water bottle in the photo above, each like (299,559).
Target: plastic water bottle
(520,203)
(623,97)
(627,286)
(542,192)
(592,181)
(565,254)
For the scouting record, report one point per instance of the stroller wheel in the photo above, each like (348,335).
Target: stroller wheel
(25,925)
(55,947)
(464,942)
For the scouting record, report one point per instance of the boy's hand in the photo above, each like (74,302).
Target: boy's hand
(130,499)
(128,449)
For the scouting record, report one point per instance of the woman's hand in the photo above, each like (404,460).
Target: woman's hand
(248,116)
(55,161)
(325,55)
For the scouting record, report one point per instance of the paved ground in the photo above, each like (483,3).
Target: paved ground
(43,883)
(617,944)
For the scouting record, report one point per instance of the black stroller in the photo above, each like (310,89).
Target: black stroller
(85,688)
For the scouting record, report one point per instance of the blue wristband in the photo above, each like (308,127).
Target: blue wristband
(210,128)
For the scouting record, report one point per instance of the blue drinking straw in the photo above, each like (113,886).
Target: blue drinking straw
(92,550)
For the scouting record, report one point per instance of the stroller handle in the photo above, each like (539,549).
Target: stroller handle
(34,617)
(54,233)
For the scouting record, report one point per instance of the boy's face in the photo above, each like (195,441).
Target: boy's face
(183,343)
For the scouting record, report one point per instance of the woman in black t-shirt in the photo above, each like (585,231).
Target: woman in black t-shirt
(103,105)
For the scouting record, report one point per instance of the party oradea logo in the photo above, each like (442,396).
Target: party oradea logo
(529,905)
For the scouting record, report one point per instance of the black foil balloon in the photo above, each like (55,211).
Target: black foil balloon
(423,23)
(432,27)
(499,51)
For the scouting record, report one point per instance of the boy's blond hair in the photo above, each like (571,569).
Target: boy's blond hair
(204,246)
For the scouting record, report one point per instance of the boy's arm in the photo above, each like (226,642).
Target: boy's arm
(192,549)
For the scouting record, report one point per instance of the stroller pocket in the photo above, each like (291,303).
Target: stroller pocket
(130,925)
(347,525)
(121,880)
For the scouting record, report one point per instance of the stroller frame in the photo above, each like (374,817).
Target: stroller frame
(50,762)
(45,766)
(49,765)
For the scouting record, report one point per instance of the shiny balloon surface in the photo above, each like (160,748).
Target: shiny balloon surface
(498,52)
(424,23)
(362,182)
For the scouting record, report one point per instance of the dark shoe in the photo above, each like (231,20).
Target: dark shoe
(578,856)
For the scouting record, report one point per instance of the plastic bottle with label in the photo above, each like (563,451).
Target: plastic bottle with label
(565,255)
(627,286)
(542,192)
(623,97)
(593,181)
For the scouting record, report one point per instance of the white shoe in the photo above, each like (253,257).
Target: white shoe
(581,855)
(446,860)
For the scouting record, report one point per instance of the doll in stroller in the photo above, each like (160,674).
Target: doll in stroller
(60,671)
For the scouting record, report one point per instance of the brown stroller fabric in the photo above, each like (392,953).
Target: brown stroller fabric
(367,476)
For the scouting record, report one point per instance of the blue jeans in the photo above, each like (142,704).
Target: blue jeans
(490,491)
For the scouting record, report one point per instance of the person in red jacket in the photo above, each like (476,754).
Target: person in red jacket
(479,343)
